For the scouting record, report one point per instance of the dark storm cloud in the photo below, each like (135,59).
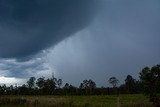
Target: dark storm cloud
(29,26)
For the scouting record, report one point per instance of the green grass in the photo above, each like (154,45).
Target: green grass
(75,101)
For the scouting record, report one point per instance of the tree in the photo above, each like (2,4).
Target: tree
(150,77)
(31,82)
(59,82)
(88,85)
(23,89)
(114,81)
(4,88)
(49,86)
(130,84)
(81,86)
(92,84)
(40,82)
(66,86)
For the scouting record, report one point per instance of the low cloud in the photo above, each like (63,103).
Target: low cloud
(35,67)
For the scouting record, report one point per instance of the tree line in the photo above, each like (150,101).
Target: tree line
(148,84)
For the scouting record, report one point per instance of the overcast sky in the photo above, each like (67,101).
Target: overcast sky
(78,39)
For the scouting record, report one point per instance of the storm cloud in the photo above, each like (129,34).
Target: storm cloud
(29,26)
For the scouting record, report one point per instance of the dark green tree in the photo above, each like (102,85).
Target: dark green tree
(92,84)
(150,77)
(130,84)
(40,82)
(88,85)
(59,83)
(66,86)
(31,82)
(81,86)
(49,86)
(23,90)
(114,81)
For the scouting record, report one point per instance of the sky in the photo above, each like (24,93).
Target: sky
(78,39)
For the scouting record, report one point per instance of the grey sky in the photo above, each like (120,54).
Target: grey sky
(122,38)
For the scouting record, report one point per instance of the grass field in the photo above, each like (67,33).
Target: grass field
(75,101)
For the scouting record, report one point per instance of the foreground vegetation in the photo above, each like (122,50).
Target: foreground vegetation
(129,94)
(76,101)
